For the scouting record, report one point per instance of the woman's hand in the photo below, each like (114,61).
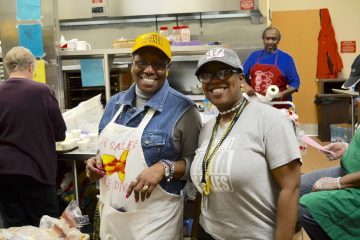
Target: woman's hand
(145,182)
(94,168)
(338,149)
(326,183)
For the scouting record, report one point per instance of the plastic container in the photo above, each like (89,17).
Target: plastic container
(164,31)
(176,34)
(185,33)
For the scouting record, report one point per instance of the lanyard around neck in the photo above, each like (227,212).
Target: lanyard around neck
(209,156)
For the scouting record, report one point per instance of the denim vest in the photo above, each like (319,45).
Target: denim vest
(157,140)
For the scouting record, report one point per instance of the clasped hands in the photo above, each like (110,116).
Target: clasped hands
(142,185)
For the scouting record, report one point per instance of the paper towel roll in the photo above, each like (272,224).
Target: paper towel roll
(272,92)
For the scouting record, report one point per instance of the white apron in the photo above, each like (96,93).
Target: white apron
(158,217)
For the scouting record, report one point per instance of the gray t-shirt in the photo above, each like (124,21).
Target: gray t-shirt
(243,197)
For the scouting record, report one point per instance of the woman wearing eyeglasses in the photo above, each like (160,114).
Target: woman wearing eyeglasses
(247,166)
(148,136)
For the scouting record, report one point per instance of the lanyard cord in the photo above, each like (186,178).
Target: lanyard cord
(208,157)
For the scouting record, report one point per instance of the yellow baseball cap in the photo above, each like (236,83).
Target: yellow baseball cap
(152,39)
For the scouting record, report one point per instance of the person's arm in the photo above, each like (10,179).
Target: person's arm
(287,92)
(293,79)
(351,180)
(186,135)
(283,155)
(288,179)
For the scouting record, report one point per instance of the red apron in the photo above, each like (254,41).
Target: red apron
(264,75)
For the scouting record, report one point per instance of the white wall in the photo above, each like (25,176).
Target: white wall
(345,18)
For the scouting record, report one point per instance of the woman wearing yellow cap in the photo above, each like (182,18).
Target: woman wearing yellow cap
(148,136)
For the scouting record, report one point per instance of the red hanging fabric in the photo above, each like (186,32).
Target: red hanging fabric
(329,62)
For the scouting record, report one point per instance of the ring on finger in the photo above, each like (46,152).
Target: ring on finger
(145,188)
(135,181)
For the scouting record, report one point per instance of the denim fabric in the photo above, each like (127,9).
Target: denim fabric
(311,227)
(308,179)
(157,140)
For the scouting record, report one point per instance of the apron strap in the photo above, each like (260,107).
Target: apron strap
(150,113)
(117,113)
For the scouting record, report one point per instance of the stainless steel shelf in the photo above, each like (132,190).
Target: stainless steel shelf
(183,53)
(123,52)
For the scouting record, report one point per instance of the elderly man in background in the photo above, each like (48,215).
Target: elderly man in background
(30,124)
(271,66)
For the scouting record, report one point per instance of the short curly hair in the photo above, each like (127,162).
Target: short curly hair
(18,59)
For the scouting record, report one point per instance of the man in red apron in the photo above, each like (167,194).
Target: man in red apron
(271,66)
(148,136)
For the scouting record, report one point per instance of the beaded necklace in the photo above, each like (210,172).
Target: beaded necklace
(208,157)
(230,110)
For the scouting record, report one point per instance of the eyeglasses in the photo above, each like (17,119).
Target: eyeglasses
(224,74)
(158,66)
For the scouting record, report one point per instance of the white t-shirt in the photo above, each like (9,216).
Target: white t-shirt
(243,197)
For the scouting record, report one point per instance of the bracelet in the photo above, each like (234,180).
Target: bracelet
(338,183)
(165,166)
(170,165)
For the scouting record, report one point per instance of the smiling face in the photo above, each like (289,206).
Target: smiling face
(149,67)
(271,40)
(224,94)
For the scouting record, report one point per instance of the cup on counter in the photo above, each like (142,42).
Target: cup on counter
(76,133)
(82,45)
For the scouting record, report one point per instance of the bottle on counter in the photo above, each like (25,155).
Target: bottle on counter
(176,34)
(185,33)
(164,31)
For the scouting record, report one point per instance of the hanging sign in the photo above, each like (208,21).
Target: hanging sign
(348,46)
(246,4)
